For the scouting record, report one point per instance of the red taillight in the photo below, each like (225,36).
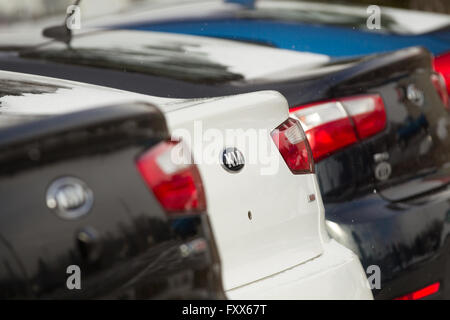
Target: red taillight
(175,183)
(439,83)
(293,145)
(333,125)
(442,65)
(368,114)
(422,293)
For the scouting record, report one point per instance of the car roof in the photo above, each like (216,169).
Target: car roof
(400,21)
(334,30)
(183,57)
(25,97)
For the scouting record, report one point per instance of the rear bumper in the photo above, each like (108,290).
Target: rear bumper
(336,274)
(409,241)
(173,267)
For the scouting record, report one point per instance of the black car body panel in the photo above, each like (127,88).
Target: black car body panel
(126,246)
(408,240)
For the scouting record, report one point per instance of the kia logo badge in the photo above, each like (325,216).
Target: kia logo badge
(69,198)
(415,95)
(232,160)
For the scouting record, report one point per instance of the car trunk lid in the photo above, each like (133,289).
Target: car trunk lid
(265,218)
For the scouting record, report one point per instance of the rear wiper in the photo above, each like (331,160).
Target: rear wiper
(61,33)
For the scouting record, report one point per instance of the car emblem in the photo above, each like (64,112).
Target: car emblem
(383,171)
(414,95)
(69,198)
(232,160)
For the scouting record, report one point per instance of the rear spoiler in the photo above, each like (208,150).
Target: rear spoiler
(386,64)
(361,73)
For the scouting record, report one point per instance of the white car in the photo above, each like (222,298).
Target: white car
(261,191)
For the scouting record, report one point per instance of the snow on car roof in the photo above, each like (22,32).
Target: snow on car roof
(25,97)
(191,58)
(24,94)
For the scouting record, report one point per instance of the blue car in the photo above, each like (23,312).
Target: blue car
(335,30)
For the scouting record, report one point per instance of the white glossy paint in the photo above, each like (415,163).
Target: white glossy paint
(336,275)
(283,252)
(284,230)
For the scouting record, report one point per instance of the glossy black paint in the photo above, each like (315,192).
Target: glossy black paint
(380,220)
(126,246)
(400,224)
(409,240)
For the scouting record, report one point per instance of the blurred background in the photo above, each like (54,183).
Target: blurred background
(20,10)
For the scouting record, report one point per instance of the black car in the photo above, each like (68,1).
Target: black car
(378,126)
(78,218)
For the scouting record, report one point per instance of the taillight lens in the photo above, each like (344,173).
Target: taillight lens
(176,184)
(442,65)
(293,145)
(422,293)
(439,83)
(367,113)
(333,125)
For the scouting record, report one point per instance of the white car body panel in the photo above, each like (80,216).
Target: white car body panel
(284,230)
(332,276)
(286,237)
